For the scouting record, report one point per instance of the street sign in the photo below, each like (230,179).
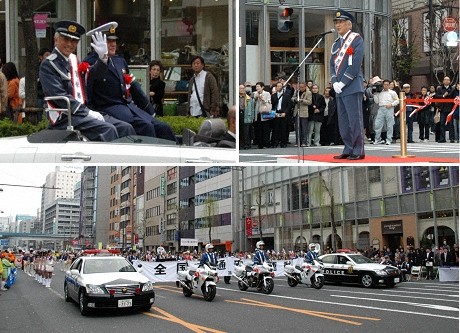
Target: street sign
(449,24)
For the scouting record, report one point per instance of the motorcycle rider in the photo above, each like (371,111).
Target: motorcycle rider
(311,254)
(261,256)
(209,256)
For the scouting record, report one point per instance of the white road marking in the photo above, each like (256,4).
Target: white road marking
(398,295)
(346,304)
(430,306)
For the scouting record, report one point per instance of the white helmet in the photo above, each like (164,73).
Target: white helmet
(208,246)
(312,245)
(259,243)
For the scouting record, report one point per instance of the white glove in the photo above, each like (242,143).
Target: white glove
(99,45)
(96,115)
(338,87)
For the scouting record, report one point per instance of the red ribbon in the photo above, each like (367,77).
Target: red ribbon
(428,100)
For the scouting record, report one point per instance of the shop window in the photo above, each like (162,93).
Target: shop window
(441,176)
(187,31)
(422,178)
(406,179)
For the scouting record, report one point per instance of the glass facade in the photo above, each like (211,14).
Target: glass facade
(171,31)
(361,197)
(270,53)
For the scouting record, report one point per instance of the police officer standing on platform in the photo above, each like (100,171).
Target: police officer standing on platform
(59,77)
(347,82)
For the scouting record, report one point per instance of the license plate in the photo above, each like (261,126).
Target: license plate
(396,280)
(125,303)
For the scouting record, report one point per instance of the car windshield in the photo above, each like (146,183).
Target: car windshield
(359,259)
(107,266)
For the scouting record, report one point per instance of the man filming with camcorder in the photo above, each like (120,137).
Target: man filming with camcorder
(387,99)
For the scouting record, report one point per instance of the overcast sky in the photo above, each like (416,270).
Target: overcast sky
(22,200)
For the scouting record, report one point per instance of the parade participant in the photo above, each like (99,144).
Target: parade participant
(311,254)
(49,268)
(7,266)
(347,81)
(59,75)
(114,91)
(260,256)
(208,257)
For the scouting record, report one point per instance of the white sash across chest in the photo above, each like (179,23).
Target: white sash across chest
(340,54)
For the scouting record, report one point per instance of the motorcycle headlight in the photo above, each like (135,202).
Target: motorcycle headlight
(92,289)
(147,286)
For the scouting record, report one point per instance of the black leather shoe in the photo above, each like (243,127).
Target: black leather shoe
(356,157)
(341,157)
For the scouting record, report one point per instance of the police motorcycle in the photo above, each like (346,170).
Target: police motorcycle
(257,276)
(202,279)
(305,273)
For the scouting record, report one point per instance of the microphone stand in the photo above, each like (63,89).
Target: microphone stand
(298,95)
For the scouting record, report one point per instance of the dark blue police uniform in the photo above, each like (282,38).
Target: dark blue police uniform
(107,92)
(349,103)
(56,81)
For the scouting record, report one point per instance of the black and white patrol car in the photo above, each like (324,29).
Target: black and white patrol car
(97,282)
(356,268)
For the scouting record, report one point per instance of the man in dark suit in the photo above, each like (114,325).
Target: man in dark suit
(428,261)
(347,82)
(446,258)
(59,76)
(445,91)
(115,92)
(281,103)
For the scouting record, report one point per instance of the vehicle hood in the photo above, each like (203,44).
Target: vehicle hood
(375,267)
(115,278)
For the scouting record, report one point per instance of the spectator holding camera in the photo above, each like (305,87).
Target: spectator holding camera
(386,99)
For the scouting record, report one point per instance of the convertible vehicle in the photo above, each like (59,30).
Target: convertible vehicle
(68,146)
(356,268)
(97,282)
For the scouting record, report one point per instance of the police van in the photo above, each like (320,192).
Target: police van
(356,268)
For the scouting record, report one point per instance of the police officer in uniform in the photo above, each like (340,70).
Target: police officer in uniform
(115,92)
(59,77)
(209,256)
(347,82)
(260,257)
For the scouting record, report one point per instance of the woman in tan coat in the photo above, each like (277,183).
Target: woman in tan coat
(303,103)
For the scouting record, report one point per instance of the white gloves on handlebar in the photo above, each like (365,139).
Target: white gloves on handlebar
(99,45)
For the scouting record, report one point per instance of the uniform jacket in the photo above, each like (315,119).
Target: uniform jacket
(310,256)
(351,76)
(260,257)
(208,257)
(108,93)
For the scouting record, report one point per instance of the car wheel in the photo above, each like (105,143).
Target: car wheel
(66,293)
(367,280)
(83,304)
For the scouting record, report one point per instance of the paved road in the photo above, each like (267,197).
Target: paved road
(420,149)
(419,306)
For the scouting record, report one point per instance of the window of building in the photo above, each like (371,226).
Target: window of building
(171,219)
(440,176)
(172,173)
(422,178)
(171,204)
(407,184)
(171,188)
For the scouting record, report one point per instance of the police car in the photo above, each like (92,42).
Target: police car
(356,268)
(97,282)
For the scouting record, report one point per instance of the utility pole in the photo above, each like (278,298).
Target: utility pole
(430,16)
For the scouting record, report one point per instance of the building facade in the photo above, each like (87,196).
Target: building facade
(372,206)
(267,53)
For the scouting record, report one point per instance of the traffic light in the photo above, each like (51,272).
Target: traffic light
(284,19)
